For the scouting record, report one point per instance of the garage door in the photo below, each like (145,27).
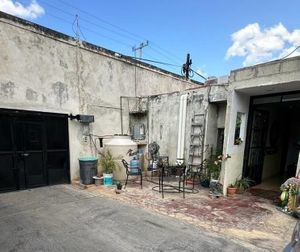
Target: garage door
(34,149)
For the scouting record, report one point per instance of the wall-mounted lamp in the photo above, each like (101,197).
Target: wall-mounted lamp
(82,118)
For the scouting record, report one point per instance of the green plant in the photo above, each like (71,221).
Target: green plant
(214,168)
(107,161)
(214,165)
(243,183)
(232,186)
(119,185)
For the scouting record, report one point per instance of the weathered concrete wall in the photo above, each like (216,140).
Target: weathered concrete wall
(43,70)
(269,78)
(217,89)
(211,130)
(221,114)
(164,118)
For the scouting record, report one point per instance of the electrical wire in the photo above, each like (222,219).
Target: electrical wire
(100,19)
(90,30)
(291,52)
(116,27)
(155,47)
(87,21)
(200,75)
(155,61)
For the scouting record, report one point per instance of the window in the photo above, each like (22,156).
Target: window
(239,128)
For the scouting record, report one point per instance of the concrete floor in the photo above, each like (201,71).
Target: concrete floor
(61,218)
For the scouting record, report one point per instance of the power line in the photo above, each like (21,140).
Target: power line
(158,49)
(101,20)
(291,52)
(198,74)
(87,21)
(155,61)
(90,30)
(154,47)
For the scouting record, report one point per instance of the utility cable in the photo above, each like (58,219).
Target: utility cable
(291,52)
(162,52)
(88,21)
(90,30)
(100,19)
(200,75)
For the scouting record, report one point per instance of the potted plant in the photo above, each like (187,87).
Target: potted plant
(214,168)
(231,190)
(109,165)
(118,187)
(243,184)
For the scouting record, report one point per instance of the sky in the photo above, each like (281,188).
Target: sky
(220,35)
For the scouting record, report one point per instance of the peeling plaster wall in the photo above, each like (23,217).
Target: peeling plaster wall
(42,70)
(164,119)
(211,129)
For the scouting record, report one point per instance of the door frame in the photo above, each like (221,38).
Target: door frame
(250,121)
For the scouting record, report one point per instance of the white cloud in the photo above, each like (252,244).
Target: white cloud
(32,11)
(258,45)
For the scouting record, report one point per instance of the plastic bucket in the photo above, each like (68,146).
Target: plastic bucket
(107,179)
(87,169)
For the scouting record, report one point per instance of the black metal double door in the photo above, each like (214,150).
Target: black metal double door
(26,157)
(30,154)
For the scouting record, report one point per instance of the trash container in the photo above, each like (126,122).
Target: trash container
(87,169)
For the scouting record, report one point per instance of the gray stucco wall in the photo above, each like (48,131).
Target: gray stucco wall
(44,71)
(268,78)
(164,119)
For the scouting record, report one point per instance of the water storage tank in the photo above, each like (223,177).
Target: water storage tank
(134,166)
(119,146)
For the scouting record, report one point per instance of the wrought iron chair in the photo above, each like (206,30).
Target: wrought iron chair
(130,173)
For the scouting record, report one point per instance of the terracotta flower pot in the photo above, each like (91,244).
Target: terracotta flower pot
(231,191)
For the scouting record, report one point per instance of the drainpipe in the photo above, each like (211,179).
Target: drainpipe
(181,129)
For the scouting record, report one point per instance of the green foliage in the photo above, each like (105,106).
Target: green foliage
(214,168)
(214,165)
(119,185)
(107,161)
(243,183)
(232,186)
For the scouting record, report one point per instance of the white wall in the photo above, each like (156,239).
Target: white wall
(232,167)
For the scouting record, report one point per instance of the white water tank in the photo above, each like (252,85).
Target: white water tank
(119,146)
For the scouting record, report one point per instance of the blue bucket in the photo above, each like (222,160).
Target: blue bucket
(107,179)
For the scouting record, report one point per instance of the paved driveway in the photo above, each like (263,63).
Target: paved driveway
(60,218)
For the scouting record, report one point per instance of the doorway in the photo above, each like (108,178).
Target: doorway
(273,139)
(34,149)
